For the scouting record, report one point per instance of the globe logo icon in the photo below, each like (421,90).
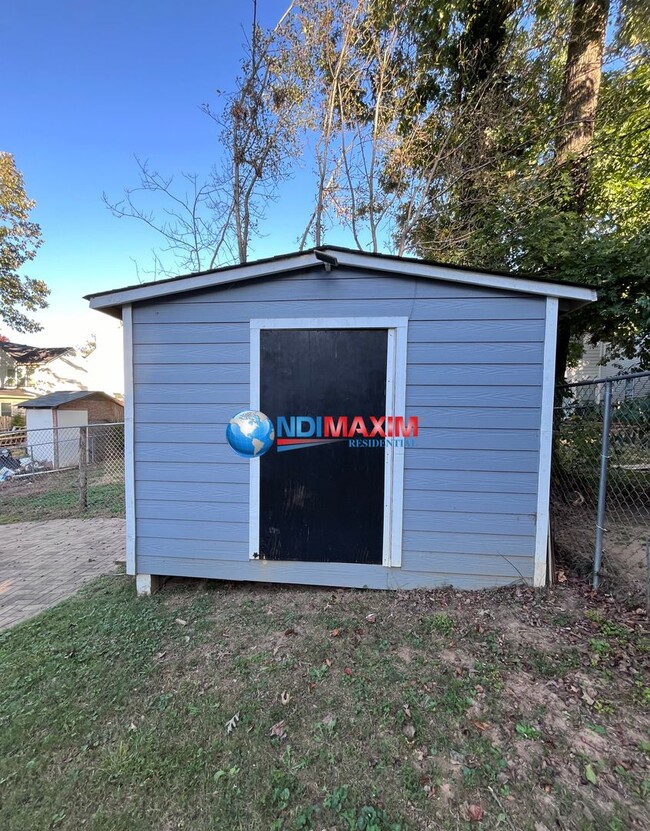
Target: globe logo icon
(250,434)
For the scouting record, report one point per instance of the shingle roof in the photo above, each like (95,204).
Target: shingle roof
(571,294)
(24,354)
(56,399)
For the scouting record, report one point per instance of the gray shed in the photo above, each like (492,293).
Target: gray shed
(415,398)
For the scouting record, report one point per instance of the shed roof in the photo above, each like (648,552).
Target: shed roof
(56,399)
(33,355)
(571,295)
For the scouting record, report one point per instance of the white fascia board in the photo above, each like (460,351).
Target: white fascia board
(201,281)
(367,262)
(408,268)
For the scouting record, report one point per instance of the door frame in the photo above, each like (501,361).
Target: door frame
(397,328)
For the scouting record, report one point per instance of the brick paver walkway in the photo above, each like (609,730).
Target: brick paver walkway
(42,563)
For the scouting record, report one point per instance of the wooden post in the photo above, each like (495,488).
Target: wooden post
(83,468)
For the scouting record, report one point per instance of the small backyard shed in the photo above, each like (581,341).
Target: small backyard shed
(53,423)
(396,415)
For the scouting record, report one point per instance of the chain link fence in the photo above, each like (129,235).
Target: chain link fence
(59,472)
(600,498)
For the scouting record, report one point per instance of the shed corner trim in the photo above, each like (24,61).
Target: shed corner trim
(545,443)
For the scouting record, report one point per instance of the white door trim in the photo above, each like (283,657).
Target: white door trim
(397,328)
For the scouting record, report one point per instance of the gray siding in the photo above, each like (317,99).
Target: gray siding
(474,380)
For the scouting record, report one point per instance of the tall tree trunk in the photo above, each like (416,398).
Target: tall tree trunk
(479,75)
(579,103)
(578,108)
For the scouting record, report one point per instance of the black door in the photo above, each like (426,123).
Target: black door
(323,503)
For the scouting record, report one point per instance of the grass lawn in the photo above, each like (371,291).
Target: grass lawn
(228,706)
(57,497)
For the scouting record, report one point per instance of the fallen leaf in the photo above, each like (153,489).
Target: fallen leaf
(371,618)
(290,631)
(481,725)
(133,726)
(446,792)
(329,721)
(180,621)
(232,723)
(476,813)
(335,633)
(590,774)
(278,730)
(405,707)
(347,671)
(285,698)
(587,698)
(328,662)
(561,577)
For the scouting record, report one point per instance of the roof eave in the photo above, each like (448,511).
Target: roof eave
(570,296)
(109,301)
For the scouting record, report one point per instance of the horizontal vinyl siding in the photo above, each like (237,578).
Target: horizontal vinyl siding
(428,437)
(473,379)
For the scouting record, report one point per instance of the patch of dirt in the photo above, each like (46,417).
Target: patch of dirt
(526,691)
(457,658)
(524,634)
(624,548)
(405,654)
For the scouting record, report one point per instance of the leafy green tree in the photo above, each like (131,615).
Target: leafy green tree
(564,186)
(19,241)
(504,134)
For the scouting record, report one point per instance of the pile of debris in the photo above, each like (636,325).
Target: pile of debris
(10,466)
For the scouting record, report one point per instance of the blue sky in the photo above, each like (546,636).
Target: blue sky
(86,86)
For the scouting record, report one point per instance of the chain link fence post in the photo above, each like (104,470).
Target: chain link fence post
(602,484)
(83,468)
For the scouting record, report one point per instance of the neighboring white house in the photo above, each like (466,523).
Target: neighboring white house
(42,369)
(594,365)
